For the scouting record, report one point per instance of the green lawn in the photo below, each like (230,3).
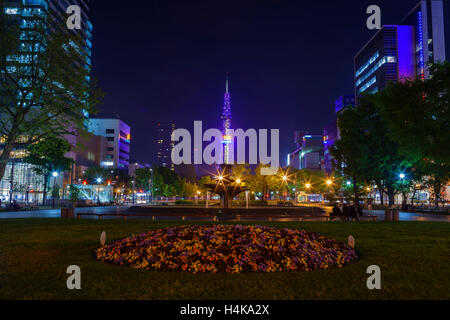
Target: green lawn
(34,255)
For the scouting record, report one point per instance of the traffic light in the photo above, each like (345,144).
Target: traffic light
(109,182)
(84,182)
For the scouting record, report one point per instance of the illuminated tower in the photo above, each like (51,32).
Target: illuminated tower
(226,119)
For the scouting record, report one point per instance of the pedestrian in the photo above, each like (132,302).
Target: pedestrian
(359,210)
(345,212)
(353,212)
(336,212)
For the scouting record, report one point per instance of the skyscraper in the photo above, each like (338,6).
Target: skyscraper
(164,144)
(29,15)
(226,126)
(427,18)
(26,13)
(402,51)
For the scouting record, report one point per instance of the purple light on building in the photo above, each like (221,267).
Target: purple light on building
(405,52)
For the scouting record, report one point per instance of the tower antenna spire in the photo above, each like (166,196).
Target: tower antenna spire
(226,82)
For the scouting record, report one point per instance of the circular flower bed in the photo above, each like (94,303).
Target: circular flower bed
(227,248)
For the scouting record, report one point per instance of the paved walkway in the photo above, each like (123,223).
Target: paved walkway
(56,213)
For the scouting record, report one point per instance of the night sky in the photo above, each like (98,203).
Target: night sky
(166,60)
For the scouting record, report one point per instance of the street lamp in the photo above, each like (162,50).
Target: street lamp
(54,174)
(238,181)
(99,180)
(402,177)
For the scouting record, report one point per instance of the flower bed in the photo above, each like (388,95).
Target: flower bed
(227,248)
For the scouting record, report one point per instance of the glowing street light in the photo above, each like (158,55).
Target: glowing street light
(402,176)
(349,183)
(54,174)
(284,178)
(220,178)
(99,180)
(238,181)
(329,182)
(308,185)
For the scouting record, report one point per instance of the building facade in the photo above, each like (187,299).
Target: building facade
(403,51)
(387,57)
(164,145)
(309,151)
(116,155)
(20,181)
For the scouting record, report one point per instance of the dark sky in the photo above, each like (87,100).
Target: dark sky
(165,61)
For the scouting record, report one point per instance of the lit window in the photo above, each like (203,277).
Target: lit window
(12,10)
(391,59)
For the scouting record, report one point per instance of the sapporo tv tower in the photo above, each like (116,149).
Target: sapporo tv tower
(226,120)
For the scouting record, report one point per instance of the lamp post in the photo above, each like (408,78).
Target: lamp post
(54,174)
(329,182)
(133,190)
(307,186)
(402,177)
(99,180)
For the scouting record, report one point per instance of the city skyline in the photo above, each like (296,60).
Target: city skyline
(176,64)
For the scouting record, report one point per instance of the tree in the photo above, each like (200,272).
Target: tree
(365,153)
(42,91)
(47,156)
(143,177)
(262,183)
(417,116)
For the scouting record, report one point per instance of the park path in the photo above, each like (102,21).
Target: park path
(56,213)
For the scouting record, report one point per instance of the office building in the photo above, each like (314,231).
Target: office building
(398,52)
(387,57)
(20,180)
(309,151)
(427,18)
(164,144)
(116,155)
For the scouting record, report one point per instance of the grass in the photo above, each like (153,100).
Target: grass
(34,255)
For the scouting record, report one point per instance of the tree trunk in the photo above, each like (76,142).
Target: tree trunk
(391,196)
(264,187)
(44,195)
(381,196)
(4,157)
(413,196)
(355,190)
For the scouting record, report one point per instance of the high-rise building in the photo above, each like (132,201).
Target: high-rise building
(427,18)
(388,56)
(28,15)
(402,51)
(164,145)
(27,12)
(117,133)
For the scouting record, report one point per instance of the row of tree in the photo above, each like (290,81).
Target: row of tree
(398,138)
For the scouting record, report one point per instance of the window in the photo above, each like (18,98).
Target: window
(110,139)
(12,10)
(110,131)
(110,149)
(367,64)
